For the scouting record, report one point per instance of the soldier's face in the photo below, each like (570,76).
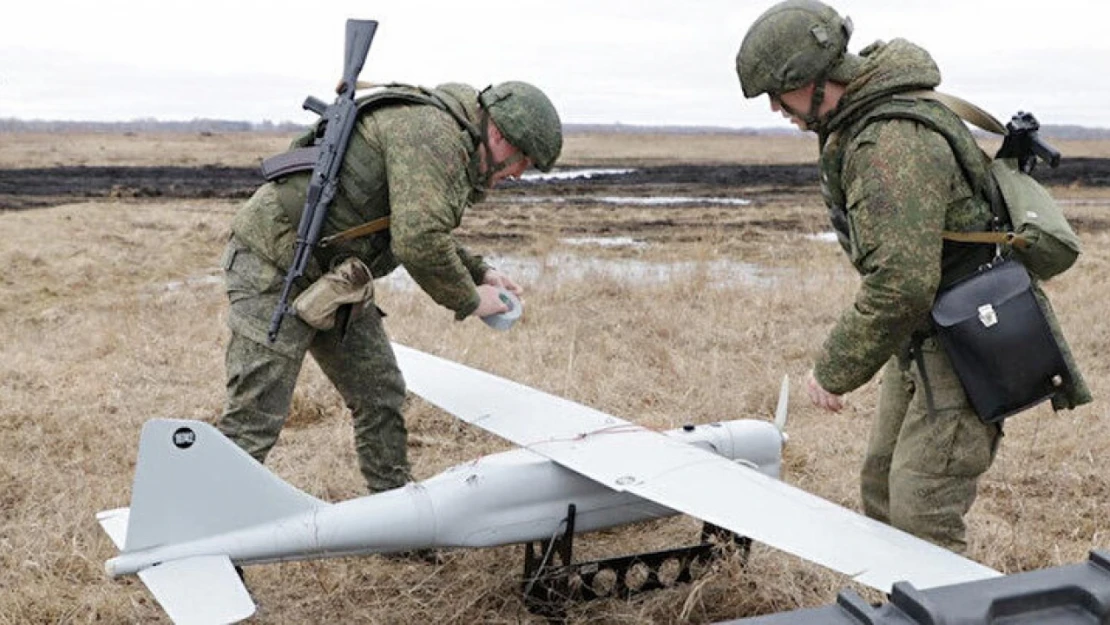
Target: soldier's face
(520,165)
(512,161)
(790,102)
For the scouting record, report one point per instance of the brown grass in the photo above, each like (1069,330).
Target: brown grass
(113,314)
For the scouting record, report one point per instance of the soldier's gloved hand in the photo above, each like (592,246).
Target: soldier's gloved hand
(820,397)
(490,303)
(495,278)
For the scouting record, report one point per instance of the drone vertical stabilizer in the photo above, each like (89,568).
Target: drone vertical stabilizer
(214,488)
(190,483)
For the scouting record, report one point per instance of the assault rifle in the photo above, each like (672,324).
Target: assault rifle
(337,121)
(1024,143)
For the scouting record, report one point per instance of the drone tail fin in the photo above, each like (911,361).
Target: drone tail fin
(192,483)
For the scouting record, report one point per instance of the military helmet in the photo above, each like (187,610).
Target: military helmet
(792,44)
(527,118)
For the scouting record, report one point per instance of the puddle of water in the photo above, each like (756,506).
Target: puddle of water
(588,173)
(631,200)
(606,242)
(197,281)
(562,268)
(573,174)
(667,201)
(1092,202)
(824,237)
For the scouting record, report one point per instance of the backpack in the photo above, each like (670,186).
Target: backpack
(1038,233)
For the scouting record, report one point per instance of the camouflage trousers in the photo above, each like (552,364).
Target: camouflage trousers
(921,470)
(261,376)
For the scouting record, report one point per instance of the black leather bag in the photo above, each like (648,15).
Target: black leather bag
(999,341)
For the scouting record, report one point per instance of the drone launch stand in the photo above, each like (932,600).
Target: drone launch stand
(548,586)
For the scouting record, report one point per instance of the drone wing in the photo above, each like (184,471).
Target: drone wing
(628,457)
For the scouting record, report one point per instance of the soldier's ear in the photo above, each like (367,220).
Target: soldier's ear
(495,136)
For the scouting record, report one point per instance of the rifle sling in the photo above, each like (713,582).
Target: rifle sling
(362,230)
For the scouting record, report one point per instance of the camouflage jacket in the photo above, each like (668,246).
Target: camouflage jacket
(896,171)
(413,162)
(892,185)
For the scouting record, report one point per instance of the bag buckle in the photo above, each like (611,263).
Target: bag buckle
(987,316)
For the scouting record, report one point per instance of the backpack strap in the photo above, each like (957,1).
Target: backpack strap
(361,230)
(966,110)
(978,117)
(992,237)
(304,158)
(981,119)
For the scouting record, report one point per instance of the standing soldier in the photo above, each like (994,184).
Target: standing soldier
(419,157)
(892,179)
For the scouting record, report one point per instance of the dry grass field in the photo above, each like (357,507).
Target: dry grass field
(113,313)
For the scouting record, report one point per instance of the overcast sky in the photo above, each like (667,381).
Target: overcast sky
(657,62)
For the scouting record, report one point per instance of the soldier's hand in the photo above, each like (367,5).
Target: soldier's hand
(495,278)
(490,303)
(820,397)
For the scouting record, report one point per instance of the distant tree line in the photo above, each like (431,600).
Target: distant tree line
(10,125)
(1074,132)
(195,126)
(219,126)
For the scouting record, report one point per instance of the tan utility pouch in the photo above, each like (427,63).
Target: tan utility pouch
(350,282)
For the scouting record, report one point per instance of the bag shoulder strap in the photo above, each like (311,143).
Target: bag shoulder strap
(981,119)
(966,110)
(361,230)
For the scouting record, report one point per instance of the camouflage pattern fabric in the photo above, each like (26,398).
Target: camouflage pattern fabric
(261,377)
(409,161)
(414,162)
(921,470)
(895,173)
(892,186)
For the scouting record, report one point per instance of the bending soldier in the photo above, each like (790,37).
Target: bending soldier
(420,157)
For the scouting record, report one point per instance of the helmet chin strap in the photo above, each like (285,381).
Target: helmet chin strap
(493,167)
(811,118)
(483,144)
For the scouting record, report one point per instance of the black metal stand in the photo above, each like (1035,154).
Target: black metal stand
(547,587)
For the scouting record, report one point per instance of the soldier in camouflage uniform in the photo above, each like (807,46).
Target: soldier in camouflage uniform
(892,178)
(420,157)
